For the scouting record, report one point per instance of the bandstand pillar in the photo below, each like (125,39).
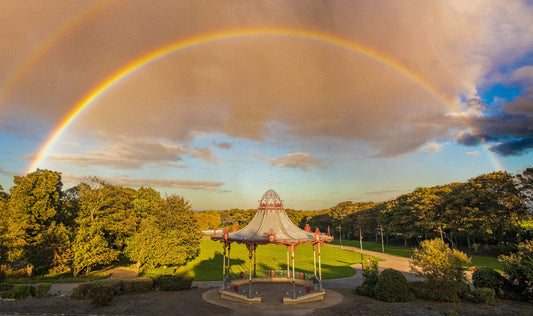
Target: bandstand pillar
(314,260)
(319,267)
(250,254)
(293,280)
(255,260)
(288,265)
(224,264)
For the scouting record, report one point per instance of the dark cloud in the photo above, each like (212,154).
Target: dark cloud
(513,147)
(507,128)
(223,145)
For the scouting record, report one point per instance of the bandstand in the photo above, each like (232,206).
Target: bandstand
(271,225)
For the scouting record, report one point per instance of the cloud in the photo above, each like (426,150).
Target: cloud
(223,145)
(240,87)
(133,155)
(126,181)
(431,147)
(302,161)
(473,153)
(507,127)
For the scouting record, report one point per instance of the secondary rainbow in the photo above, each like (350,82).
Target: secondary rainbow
(130,68)
(59,33)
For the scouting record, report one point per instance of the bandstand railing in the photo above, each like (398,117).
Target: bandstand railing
(238,282)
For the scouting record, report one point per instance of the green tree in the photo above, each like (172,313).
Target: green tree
(487,208)
(519,267)
(435,260)
(169,236)
(36,218)
(91,249)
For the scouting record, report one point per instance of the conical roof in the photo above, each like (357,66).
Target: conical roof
(271,224)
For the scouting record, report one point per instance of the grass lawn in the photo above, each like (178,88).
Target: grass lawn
(336,263)
(375,246)
(407,252)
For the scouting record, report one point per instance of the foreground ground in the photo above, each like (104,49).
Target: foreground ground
(191,303)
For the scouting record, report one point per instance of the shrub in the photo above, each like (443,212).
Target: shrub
(370,278)
(435,260)
(100,293)
(392,286)
(137,286)
(5,290)
(21,291)
(173,282)
(519,267)
(440,290)
(365,290)
(483,294)
(487,277)
(42,289)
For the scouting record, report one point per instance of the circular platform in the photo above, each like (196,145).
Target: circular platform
(272,299)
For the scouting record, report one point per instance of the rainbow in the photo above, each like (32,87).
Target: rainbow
(22,69)
(161,52)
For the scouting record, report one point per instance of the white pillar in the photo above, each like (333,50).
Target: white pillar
(314,260)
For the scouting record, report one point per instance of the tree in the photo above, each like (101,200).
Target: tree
(525,185)
(91,249)
(519,267)
(35,218)
(170,235)
(487,208)
(435,260)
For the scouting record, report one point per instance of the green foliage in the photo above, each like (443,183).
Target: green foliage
(35,228)
(440,290)
(21,291)
(488,278)
(483,295)
(42,289)
(171,235)
(173,282)
(519,267)
(370,278)
(435,260)
(392,286)
(91,249)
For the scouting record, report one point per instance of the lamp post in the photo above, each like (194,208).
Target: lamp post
(340,234)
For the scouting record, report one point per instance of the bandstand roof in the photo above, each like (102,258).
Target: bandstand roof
(272,225)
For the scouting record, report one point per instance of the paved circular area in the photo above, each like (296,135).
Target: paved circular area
(272,301)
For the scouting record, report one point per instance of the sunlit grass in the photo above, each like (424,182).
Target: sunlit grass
(336,263)
(403,252)
(374,246)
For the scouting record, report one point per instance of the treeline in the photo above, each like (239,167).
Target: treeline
(89,226)
(488,211)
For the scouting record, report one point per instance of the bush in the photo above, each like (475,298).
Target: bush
(21,291)
(435,260)
(519,267)
(5,290)
(42,289)
(488,278)
(89,290)
(137,286)
(370,278)
(392,286)
(440,290)
(483,294)
(100,293)
(173,282)
(365,290)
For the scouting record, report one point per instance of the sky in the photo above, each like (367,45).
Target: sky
(219,101)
